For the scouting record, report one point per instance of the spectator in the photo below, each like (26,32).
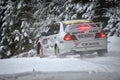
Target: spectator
(40,47)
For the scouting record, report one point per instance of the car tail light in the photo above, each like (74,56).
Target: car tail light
(100,35)
(69,37)
(84,27)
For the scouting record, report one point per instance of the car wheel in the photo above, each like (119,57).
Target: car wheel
(101,53)
(82,55)
(57,52)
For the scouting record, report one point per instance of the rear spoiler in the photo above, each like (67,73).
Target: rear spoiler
(70,28)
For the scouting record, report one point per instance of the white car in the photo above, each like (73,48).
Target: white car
(75,36)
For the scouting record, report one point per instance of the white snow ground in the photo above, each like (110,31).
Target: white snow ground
(75,66)
(10,66)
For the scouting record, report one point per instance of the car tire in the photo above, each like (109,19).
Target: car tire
(82,55)
(101,53)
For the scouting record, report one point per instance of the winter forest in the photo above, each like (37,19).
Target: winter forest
(22,21)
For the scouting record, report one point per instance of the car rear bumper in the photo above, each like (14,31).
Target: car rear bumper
(90,51)
(95,45)
(86,49)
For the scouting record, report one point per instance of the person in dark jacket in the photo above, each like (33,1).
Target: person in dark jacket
(40,47)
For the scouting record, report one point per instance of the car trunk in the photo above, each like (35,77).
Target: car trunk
(84,31)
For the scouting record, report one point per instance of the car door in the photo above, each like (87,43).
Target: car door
(51,38)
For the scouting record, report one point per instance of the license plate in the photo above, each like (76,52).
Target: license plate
(90,44)
(85,35)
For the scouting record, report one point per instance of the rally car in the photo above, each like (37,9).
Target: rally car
(74,36)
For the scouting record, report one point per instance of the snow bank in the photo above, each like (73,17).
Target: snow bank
(114,44)
(30,53)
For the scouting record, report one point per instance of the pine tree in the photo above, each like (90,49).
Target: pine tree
(3,4)
(17,27)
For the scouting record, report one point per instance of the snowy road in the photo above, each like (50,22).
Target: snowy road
(95,68)
(91,67)
(62,76)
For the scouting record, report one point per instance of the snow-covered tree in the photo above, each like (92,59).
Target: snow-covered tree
(113,24)
(17,27)
(2,15)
